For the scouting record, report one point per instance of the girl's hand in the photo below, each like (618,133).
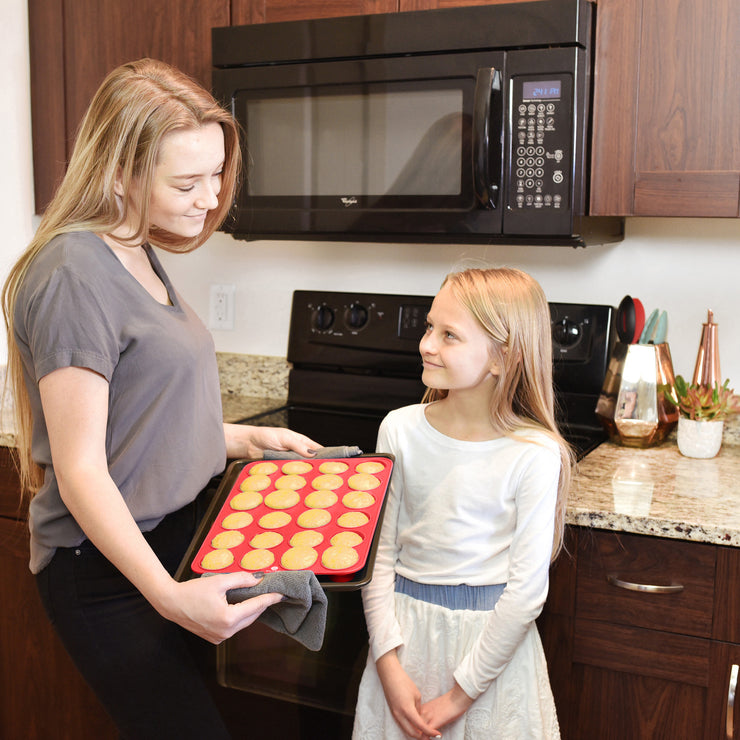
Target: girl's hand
(200,605)
(446,708)
(249,441)
(403,697)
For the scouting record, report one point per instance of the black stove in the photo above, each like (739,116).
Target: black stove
(355,357)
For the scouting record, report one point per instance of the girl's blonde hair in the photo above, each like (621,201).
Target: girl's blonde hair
(120,136)
(511,307)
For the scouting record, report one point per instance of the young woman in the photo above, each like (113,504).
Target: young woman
(116,391)
(475,513)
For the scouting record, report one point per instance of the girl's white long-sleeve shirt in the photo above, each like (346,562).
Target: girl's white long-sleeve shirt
(458,512)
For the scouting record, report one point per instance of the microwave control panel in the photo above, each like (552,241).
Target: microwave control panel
(540,143)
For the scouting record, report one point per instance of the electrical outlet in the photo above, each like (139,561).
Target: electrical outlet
(221,307)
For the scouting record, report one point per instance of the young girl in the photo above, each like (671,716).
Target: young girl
(474,516)
(116,390)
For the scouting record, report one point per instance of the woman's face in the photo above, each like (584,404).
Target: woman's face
(186,180)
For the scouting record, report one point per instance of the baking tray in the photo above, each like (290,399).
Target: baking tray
(234,478)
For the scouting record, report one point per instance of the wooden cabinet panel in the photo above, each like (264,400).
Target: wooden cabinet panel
(93,38)
(723,716)
(666,118)
(432,4)
(608,705)
(273,11)
(726,625)
(615,569)
(43,696)
(615,107)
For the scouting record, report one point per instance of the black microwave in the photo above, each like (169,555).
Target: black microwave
(454,125)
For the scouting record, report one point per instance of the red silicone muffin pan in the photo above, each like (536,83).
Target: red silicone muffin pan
(367,477)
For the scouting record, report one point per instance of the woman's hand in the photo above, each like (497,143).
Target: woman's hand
(200,605)
(446,708)
(403,697)
(249,441)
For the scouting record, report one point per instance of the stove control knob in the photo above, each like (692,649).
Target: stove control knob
(566,333)
(323,318)
(356,316)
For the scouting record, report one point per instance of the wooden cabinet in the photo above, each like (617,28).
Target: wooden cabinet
(74,45)
(274,11)
(654,648)
(666,117)
(43,696)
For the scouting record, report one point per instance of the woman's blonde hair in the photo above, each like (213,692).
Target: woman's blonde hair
(511,307)
(120,136)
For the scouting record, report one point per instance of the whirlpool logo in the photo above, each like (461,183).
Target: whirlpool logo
(348,201)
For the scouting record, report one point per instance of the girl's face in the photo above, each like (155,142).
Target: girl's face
(455,350)
(186,181)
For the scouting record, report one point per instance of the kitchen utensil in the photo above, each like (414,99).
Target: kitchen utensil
(639,319)
(656,328)
(706,371)
(632,405)
(626,320)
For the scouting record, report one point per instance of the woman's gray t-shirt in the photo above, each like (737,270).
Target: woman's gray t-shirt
(79,306)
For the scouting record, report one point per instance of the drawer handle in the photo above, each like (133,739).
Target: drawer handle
(730,719)
(644,587)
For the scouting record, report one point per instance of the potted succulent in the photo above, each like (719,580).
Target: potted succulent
(701,414)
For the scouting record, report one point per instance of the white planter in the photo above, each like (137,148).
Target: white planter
(699,438)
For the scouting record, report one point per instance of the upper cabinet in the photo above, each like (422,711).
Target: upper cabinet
(666,116)
(274,11)
(666,113)
(74,45)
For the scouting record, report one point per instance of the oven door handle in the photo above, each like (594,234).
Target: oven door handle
(487,137)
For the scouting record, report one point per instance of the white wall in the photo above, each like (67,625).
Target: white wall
(684,266)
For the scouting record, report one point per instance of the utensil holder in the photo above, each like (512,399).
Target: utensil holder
(632,405)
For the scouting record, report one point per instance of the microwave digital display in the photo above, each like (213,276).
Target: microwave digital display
(541,90)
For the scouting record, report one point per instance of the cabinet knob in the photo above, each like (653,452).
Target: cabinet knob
(644,587)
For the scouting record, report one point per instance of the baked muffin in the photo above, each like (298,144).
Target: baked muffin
(274,520)
(313,518)
(246,500)
(321,499)
(333,467)
(263,468)
(306,538)
(225,540)
(283,498)
(353,519)
(266,540)
(327,482)
(337,557)
(371,466)
(255,483)
(346,539)
(299,558)
(217,559)
(237,520)
(293,482)
(257,560)
(363,481)
(358,499)
(297,467)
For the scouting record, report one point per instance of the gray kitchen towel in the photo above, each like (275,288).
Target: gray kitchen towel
(322,452)
(301,614)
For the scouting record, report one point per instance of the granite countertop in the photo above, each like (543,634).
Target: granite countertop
(657,491)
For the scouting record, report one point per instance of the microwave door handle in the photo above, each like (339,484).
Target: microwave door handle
(487,144)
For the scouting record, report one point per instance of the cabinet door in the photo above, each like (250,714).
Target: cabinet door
(273,11)
(634,683)
(74,45)
(665,109)
(432,4)
(43,696)
(723,712)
